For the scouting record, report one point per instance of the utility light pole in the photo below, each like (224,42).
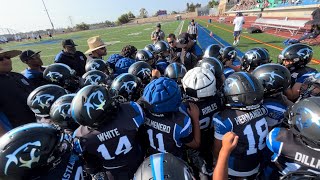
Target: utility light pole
(48,15)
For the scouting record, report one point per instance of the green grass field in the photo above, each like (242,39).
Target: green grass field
(139,36)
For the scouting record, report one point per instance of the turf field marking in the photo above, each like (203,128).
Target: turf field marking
(134,34)
(179,28)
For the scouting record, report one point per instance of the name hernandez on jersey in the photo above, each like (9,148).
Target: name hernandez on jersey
(167,132)
(113,145)
(251,127)
(291,153)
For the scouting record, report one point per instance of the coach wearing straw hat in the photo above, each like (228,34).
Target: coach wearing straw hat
(97,48)
(14,92)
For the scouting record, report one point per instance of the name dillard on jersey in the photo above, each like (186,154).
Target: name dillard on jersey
(108,134)
(250,115)
(306,160)
(156,125)
(209,109)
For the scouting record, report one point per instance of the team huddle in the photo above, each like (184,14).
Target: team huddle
(162,112)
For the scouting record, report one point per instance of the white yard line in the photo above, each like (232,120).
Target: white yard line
(179,28)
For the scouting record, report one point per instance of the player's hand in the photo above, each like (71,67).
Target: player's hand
(228,63)
(155,73)
(229,142)
(194,112)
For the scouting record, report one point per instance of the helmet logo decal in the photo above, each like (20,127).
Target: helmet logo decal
(43,100)
(93,79)
(53,76)
(129,86)
(305,52)
(62,112)
(145,72)
(34,146)
(252,55)
(141,57)
(312,118)
(232,53)
(230,82)
(91,105)
(272,76)
(95,66)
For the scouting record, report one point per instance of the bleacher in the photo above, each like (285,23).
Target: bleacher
(293,26)
(261,4)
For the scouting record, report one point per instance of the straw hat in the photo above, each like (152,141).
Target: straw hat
(95,43)
(9,53)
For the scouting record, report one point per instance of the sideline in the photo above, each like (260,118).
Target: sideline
(205,40)
(256,40)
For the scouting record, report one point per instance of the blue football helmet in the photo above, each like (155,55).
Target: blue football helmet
(123,65)
(163,94)
(112,60)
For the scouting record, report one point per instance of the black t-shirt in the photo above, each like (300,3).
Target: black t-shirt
(114,146)
(291,153)
(14,91)
(175,55)
(252,129)
(76,62)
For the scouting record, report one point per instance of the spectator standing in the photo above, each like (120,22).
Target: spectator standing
(34,72)
(238,23)
(70,56)
(193,30)
(14,110)
(157,34)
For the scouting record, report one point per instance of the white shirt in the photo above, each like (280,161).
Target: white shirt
(238,22)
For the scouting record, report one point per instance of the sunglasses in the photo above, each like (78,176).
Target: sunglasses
(171,42)
(4,57)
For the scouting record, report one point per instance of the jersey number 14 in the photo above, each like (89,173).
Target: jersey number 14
(124,146)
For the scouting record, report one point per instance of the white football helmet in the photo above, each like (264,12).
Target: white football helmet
(199,83)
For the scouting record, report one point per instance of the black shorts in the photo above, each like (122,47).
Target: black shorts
(193,36)
(236,33)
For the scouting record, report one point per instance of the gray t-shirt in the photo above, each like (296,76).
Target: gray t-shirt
(159,34)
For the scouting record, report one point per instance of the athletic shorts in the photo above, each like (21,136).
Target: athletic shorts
(236,33)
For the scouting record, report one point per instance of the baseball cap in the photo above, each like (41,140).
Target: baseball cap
(239,14)
(68,42)
(158,25)
(28,54)
(183,38)
(192,20)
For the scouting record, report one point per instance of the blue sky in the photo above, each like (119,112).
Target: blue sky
(28,15)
